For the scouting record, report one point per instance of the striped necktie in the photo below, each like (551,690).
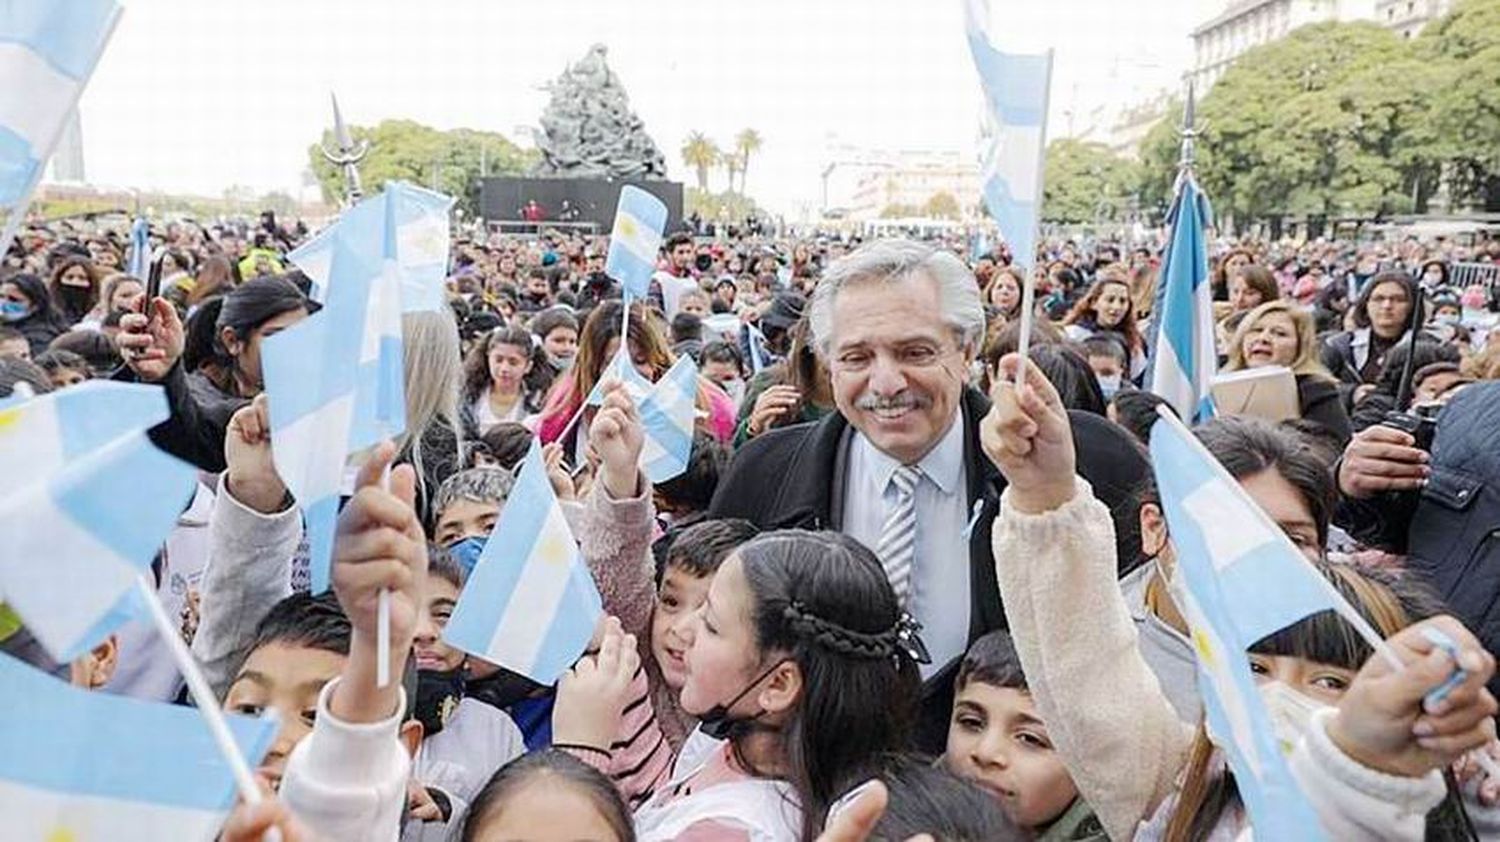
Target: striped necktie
(898,538)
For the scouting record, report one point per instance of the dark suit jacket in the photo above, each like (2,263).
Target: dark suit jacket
(793,478)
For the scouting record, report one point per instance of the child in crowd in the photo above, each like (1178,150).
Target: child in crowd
(548,792)
(801,660)
(998,740)
(342,758)
(1365,750)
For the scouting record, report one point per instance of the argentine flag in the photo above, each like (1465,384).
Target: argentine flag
(413,237)
(334,382)
(621,368)
(1184,358)
(530,604)
(78,765)
(667,416)
(1015,91)
(1239,579)
(88,502)
(48,50)
(633,244)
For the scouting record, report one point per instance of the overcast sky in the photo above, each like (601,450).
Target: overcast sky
(197,95)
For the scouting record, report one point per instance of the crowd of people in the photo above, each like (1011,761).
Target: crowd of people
(893,593)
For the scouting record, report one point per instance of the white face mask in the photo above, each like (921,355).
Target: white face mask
(1291,713)
(1109,384)
(562,363)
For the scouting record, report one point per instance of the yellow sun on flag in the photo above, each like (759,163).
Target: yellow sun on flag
(627,227)
(61,834)
(1205,649)
(9,418)
(553,549)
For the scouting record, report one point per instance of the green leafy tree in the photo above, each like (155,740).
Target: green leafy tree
(702,155)
(1333,120)
(450,162)
(1086,182)
(1464,49)
(942,206)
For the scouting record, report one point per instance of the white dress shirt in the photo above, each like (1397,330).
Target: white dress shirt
(940,569)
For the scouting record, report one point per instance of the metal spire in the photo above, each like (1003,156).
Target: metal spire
(347,155)
(1189,133)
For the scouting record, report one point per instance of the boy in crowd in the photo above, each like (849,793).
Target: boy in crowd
(997,739)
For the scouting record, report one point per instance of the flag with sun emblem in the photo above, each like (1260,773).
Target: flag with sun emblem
(1238,579)
(530,605)
(80,766)
(635,240)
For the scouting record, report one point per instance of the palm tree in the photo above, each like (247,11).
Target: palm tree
(731,164)
(746,143)
(701,154)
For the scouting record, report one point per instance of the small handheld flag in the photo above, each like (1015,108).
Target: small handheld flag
(92,501)
(413,239)
(140,249)
(635,240)
(48,51)
(80,765)
(1016,95)
(667,416)
(530,604)
(1239,579)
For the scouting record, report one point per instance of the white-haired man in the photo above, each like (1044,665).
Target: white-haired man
(899,466)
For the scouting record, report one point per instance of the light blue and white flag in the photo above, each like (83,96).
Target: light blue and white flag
(1015,91)
(667,417)
(635,241)
(1239,578)
(140,249)
(621,368)
(334,382)
(88,502)
(413,238)
(530,604)
(1183,356)
(77,766)
(48,50)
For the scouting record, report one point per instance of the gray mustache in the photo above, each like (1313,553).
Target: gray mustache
(870,403)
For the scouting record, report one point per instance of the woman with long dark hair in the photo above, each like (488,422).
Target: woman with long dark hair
(1107,306)
(26,306)
(497,375)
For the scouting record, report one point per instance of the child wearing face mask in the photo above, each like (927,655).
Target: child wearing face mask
(801,661)
(1370,766)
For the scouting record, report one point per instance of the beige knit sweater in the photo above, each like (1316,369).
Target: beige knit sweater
(1104,710)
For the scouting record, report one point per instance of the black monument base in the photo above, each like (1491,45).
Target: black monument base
(502,199)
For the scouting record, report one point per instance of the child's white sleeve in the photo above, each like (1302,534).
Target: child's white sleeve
(1356,803)
(348,780)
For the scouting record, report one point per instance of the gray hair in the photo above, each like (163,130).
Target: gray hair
(485,484)
(895,260)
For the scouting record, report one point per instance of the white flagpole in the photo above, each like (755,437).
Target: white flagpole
(203,696)
(1028,282)
(18,211)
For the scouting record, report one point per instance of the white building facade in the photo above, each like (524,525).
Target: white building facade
(1247,24)
(1407,17)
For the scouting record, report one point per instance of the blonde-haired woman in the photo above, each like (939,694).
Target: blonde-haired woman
(1278,333)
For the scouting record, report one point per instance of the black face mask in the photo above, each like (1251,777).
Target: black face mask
(717,721)
(438,695)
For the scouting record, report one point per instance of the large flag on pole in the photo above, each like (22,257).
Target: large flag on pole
(80,765)
(48,51)
(1015,91)
(633,244)
(1184,357)
(1239,578)
(87,502)
(530,604)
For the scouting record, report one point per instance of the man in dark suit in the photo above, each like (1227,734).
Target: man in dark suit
(899,466)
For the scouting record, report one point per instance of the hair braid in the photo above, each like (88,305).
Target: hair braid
(836,638)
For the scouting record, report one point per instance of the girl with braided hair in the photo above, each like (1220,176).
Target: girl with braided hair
(801,660)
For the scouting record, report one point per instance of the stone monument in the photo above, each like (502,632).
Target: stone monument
(589,131)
